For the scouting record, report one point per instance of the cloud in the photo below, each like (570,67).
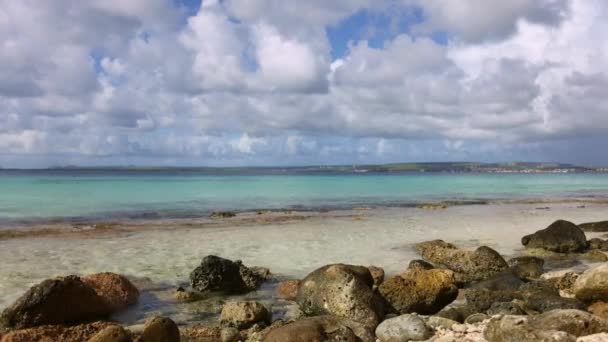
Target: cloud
(241,81)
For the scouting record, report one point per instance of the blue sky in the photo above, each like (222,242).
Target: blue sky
(269,82)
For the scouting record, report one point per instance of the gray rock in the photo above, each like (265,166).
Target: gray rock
(601,226)
(505,308)
(526,267)
(561,237)
(341,290)
(476,318)
(230,335)
(243,315)
(437,322)
(402,329)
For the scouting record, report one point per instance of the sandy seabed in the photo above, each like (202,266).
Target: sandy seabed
(163,253)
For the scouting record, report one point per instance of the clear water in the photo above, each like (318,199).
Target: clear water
(78,195)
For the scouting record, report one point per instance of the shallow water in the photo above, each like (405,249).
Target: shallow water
(382,237)
(77,195)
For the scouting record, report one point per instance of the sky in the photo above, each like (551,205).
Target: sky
(285,82)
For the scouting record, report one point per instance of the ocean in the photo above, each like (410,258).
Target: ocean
(75,195)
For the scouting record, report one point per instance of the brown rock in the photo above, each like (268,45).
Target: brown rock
(160,329)
(64,300)
(114,333)
(320,328)
(200,333)
(116,290)
(55,333)
(288,289)
(243,315)
(377,274)
(599,309)
(592,285)
(421,291)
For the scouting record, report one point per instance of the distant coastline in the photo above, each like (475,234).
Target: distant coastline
(422,167)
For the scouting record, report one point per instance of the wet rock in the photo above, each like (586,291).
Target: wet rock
(419,265)
(420,291)
(160,329)
(481,264)
(403,328)
(222,214)
(115,289)
(595,256)
(341,290)
(321,328)
(114,333)
(243,315)
(54,333)
(219,274)
(599,244)
(526,260)
(599,309)
(377,274)
(526,267)
(288,289)
(64,300)
(185,296)
(601,226)
(561,237)
(592,285)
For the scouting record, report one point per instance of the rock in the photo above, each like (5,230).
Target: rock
(403,328)
(419,265)
(481,299)
(243,315)
(476,318)
(222,214)
(543,296)
(574,322)
(599,244)
(230,335)
(113,333)
(455,313)
(477,265)
(506,280)
(437,322)
(601,226)
(64,300)
(565,284)
(54,333)
(592,285)
(288,289)
(561,237)
(505,308)
(601,337)
(377,274)
(160,329)
(599,309)
(595,256)
(420,291)
(201,333)
(185,296)
(321,328)
(116,290)
(526,267)
(518,329)
(341,290)
(219,274)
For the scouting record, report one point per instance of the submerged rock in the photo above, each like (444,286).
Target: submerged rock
(63,300)
(561,237)
(592,285)
(601,226)
(341,290)
(243,315)
(477,265)
(420,291)
(403,328)
(219,274)
(321,328)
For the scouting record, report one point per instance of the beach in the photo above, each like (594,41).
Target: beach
(162,253)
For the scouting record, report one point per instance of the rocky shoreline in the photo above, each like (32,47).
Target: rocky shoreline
(450,294)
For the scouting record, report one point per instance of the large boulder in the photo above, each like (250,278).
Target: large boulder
(341,290)
(481,264)
(63,300)
(115,289)
(243,315)
(219,274)
(561,237)
(403,328)
(321,328)
(54,333)
(420,291)
(592,285)
(601,226)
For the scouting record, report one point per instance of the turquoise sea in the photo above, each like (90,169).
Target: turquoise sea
(78,195)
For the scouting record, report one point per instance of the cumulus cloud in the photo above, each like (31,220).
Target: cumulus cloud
(255,81)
